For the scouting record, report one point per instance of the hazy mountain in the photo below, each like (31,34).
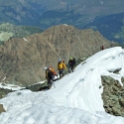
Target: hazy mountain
(76,12)
(19,12)
(111,27)
(23,59)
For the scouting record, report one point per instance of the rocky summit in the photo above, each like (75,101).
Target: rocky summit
(22,60)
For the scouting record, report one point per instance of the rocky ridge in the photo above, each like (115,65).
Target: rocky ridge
(22,60)
(113,96)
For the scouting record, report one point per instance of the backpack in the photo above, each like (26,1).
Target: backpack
(52,71)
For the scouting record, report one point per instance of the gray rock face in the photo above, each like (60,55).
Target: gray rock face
(4,92)
(22,60)
(113,96)
(1,109)
(38,87)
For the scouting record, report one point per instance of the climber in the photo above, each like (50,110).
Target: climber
(102,47)
(71,64)
(61,67)
(50,74)
(64,67)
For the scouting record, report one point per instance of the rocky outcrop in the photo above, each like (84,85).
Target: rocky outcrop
(113,96)
(4,92)
(2,109)
(22,59)
(39,87)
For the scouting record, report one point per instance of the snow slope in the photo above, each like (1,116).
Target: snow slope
(75,99)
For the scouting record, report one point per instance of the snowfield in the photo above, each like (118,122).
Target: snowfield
(74,99)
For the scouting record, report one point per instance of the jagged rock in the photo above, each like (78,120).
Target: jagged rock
(38,87)
(122,80)
(4,92)
(1,108)
(113,96)
(121,101)
(117,71)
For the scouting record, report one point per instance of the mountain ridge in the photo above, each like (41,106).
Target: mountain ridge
(23,59)
(48,13)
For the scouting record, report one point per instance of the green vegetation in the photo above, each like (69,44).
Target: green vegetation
(120,34)
(5,36)
(9,30)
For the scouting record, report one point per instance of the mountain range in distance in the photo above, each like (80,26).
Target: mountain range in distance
(110,26)
(78,13)
(28,12)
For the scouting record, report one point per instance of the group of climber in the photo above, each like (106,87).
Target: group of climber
(63,69)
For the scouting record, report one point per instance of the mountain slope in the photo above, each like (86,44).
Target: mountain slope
(18,12)
(31,12)
(76,99)
(23,59)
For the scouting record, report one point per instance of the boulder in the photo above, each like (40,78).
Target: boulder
(2,108)
(113,96)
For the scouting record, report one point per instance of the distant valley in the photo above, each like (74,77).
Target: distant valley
(111,27)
